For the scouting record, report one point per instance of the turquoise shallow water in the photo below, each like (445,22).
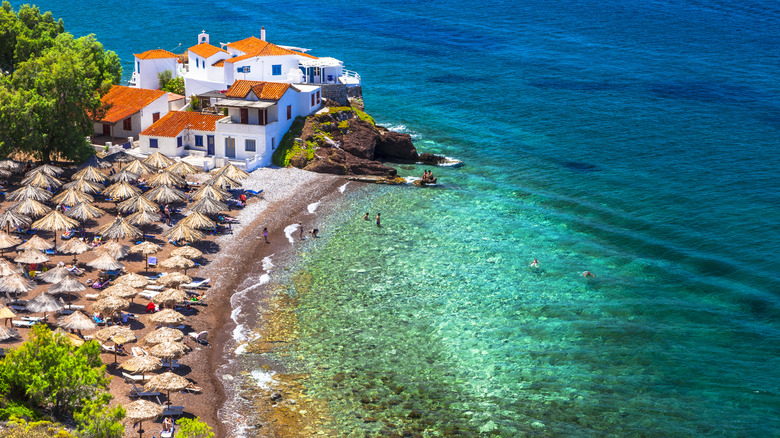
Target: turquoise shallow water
(637,140)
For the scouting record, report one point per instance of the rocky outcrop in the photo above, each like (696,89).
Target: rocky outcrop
(345,141)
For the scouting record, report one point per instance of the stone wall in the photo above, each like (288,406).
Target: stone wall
(336,93)
(356,92)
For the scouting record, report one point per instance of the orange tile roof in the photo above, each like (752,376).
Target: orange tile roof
(124,101)
(263,90)
(155,54)
(173,123)
(254,46)
(174,96)
(205,50)
(220,63)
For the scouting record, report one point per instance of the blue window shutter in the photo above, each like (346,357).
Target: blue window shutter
(276,70)
(179,141)
(153,143)
(197,62)
(198,140)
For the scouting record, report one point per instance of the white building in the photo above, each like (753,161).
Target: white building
(150,64)
(130,110)
(258,115)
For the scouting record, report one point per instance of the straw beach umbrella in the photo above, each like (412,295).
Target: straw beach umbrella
(177,262)
(31,256)
(140,411)
(16,283)
(120,157)
(146,249)
(110,305)
(11,218)
(73,246)
(208,206)
(66,286)
(223,182)
(116,333)
(30,192)
(116,249)
(12,165)
(142,364)
(184,233)
(132,279)
(187,251)
(123,291)
(231,171)
(167,317)
(90,187)
(119,229)
(163,334)
(8,241)
(36,243)
(182,169)
(138,203)
(90,174)
(6,268)
(142,218)
(174,279)
(96,162)
(54,275)
(44,303)
(168,350)
(43,180)
(166,178)
(139,167)
(158,160)
(170,297)
(167,381)
(77,321)
(199,221)
(48,169)
(72,196)
(55,222)
(121,190)
(210,192)
(165,194)
(124,175)
(105,262)
(6,313)
(8,333)
(30,207)
(84,212)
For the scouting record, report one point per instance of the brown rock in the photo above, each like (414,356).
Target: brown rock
(362,139)
(396,146)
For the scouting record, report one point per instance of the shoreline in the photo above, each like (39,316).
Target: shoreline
(234,267)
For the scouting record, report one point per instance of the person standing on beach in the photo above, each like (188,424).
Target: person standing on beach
(265,235)
(378,221)
(300,227)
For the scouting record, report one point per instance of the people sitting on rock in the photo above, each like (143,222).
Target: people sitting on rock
(428,177)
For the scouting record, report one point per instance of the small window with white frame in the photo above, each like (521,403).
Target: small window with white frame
(249,145)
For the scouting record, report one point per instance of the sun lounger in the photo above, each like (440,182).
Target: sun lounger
(197,284)
(92,297)
(152,261)
(18,308)
(155,287)
(74,306)
(32,318)
(139,392)
(27,324)
(134,378)
(193,389)
(199,337)
(138,351)
(173,411)
(169,364)
(148,294)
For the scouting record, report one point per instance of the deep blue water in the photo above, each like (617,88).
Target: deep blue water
(634,139)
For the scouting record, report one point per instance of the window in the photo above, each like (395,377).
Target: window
(273,143)
(249,145)
(179,141)
(289,112)
(312,100)
(198,140)
(152,143)
(318,96)
(276,70)
(197,62)
(155,117)
(138,67)
(127,124)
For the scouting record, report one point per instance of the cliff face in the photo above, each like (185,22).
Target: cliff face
(345,141)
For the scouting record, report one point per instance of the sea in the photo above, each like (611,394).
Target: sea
(636,140)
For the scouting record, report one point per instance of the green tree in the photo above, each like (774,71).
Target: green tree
(26,34)
(39,429)
(164,77)
(194,428)
(97,420)
(51,373)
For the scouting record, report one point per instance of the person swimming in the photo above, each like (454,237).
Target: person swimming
(587,274)
(534,264)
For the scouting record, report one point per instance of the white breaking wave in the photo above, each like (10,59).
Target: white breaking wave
(344,187)
(263,378)
(264,279)
(267,265)
(289,230)
(313,207)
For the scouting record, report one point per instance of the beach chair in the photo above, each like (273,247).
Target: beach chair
(18,307)
(191,388)
(139,392)
(49,251)
(34,319)
(68,234)
(92,297)
(134,378)
(167,434)
(170,363)
(25,324)
(108,348)
(197,284)
(200,337)
(74,306)
(173,411)
(148,294)
(139,351)
(152,261)
(155,287)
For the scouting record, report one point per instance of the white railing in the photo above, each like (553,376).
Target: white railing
(350,77)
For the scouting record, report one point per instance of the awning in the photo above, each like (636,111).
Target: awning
(244,103)
(319,62)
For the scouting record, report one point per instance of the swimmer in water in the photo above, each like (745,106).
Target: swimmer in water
(587,274)
(365,216)
(534,264)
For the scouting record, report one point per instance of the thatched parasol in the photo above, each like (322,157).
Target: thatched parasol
(177,262)
(36,243)
(231,171)
(163,335)
(182,169)
(120,157)
(72,196)
(11,218)
(42,180)
(158,160)
(8,333)
(84,212)
(167,381)
(168,350)
(16,283)
(136,204)
(119,229)
(77,321)
(105,262)
(66,286)
(143,217)
(54,275)
(140,411)
(170,297)
(121,190)
(48,169)
(56,222)
(142,364)
(90,174)
(165,194)
(123,291)
(11,165)
(139,167)
(30,207)
(187,251)
(199,221)
(44,303)
(116,333)
(166,178)
(31,256)
(97,162)
(208,206)
(223,182)
(124,175)
(146,249)
(6,268)
(174,279)
(30,192)
(132,279)
(85,186)
(167,317)
(116,249)
(6,313)
(8,241)
(210,192)
(182,232)
(74,246)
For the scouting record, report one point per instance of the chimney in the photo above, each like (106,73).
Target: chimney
(262,33)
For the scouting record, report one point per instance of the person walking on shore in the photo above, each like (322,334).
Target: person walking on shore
(300,228)
(265,235)
(378,221)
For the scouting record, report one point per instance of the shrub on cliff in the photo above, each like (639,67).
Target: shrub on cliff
(287,146)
